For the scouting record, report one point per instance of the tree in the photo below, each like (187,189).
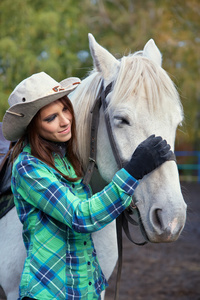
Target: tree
(51,35)
(125,26)
(38,35)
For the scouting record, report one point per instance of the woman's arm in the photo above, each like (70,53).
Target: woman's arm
(39,186)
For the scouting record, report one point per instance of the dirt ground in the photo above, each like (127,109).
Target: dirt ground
(164,271)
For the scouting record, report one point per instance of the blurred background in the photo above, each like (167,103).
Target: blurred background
(51,36)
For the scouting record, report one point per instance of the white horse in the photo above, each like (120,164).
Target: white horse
(142,101)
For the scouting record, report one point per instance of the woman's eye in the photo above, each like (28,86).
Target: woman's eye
(50,118)
(65,108)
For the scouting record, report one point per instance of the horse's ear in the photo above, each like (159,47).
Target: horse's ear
(152,52)
(103,60)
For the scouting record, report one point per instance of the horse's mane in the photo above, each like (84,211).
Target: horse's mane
(136,73)
(83,99)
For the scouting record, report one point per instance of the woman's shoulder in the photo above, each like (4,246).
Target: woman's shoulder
(25,157)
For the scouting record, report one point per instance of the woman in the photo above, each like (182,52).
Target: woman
(57,210)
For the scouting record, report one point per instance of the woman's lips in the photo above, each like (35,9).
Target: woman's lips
(66,130)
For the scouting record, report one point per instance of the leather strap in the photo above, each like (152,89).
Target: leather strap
(109,128)
(126,219)
(120,255)
(122,222)
(93,141)
(93,134)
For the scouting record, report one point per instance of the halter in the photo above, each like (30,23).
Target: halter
(123,220)
(94,128)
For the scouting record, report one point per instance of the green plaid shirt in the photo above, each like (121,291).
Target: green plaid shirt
(58,218)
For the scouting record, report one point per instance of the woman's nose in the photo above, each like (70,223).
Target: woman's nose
(64,121)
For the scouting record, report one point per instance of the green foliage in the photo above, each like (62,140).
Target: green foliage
(36,36)
(51,36)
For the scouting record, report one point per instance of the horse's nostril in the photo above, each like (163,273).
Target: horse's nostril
(157,218)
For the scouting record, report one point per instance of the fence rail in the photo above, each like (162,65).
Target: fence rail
(194,167)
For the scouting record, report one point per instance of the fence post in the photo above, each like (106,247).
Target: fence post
(188,166)
(198,171)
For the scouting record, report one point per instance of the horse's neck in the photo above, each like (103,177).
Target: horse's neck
(97,182)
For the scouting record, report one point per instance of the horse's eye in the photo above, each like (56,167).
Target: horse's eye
(119,121)
(125,121)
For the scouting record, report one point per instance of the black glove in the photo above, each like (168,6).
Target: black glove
(149,155)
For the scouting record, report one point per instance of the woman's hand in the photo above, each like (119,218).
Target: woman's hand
(149,155)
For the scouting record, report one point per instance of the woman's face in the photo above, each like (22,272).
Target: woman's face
(54,122)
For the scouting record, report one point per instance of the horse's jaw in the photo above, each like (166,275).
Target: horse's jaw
(162,211)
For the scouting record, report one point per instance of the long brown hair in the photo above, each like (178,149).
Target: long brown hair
(44,149)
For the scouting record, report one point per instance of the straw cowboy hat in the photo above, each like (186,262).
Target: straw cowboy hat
(29,97)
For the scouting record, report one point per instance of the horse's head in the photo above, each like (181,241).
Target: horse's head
(142,101)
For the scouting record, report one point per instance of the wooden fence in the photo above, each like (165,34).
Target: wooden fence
(189,165)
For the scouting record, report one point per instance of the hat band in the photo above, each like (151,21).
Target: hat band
(14,113)
(55,89)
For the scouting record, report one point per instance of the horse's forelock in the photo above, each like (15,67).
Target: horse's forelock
(138,74)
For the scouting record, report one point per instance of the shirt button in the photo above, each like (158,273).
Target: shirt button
(90,282)
(85,243)
(73,185)
(88,263)
(69,167)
